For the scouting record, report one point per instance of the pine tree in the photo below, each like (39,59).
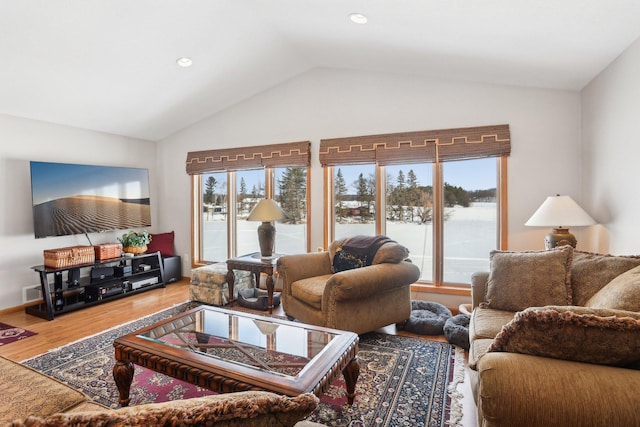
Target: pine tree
(365,190)
(340,191)
(293,194)
(210,188)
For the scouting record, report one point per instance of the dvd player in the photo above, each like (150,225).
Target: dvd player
(132,285)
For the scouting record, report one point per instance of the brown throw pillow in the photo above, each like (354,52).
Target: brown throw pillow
(518,280)
(602,336)
(590,272)
(622,293)
(242,408)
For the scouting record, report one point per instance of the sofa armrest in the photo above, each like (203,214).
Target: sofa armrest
(524,390)
(362,282)
(478,287)
(292,268)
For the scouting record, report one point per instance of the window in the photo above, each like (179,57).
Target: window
(355,190)
(213,216)
(291,192)
(409,212)
(228,183)
(436,192)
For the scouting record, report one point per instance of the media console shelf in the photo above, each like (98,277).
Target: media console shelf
(70,288)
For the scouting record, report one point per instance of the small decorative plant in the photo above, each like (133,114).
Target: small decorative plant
(135,239)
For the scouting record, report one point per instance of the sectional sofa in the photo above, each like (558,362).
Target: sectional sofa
(555,340)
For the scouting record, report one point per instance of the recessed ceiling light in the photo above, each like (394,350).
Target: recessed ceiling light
(184,62)
(358,18)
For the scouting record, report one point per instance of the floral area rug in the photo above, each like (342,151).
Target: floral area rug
(9,334)
(403,381)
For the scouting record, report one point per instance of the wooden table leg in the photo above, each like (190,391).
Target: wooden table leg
(231,280)
(123,376)
(351,373)
(270,286)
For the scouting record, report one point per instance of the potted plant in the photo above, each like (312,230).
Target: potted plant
(135,242)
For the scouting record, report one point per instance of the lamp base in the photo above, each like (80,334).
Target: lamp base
(559,236)
(266,238)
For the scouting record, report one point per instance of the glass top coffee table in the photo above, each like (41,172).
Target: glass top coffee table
(226,351)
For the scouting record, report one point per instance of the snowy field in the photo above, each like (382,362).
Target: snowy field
(470,234)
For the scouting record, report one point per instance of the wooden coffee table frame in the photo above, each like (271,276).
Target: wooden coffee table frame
(216,374)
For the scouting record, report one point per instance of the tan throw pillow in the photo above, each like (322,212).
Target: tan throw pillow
(518,280)
(622,293)
(390,252)
(590,272)
(602,336)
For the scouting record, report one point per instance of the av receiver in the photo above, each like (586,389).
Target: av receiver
(97,292)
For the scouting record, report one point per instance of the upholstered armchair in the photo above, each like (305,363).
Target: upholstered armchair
(359,299)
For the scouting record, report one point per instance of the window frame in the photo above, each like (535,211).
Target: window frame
(437,284)
(232,245)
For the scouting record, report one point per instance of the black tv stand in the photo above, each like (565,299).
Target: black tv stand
(72,289)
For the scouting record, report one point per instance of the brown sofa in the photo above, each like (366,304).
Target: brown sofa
(359,299)
(555,340)
(30,398)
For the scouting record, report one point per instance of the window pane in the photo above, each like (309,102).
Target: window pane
(249,191)
(354,195)
(471,217)
(409,213)
(290,191)
(214,217)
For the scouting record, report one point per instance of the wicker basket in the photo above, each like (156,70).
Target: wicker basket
(136,250)
(108,251)
(69,256)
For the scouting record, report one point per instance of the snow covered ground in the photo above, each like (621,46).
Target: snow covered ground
(469,235)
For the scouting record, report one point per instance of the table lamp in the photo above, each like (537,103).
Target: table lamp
(560,212)
(266,211)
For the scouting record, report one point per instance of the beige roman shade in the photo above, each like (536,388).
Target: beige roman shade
(292,154)
(418,147)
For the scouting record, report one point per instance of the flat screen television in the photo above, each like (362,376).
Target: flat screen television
(78,199)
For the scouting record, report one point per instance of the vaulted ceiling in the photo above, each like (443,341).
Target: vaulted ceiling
(110,65)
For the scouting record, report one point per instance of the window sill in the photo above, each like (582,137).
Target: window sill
(442,289)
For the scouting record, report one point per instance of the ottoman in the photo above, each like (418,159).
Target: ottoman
(209,283)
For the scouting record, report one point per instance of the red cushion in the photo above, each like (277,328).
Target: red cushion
(162,242)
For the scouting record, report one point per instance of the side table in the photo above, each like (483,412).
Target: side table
(255,264)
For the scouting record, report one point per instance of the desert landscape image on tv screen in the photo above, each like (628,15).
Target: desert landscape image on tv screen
(76,199)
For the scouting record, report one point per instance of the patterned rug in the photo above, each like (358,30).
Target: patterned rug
(403,381)
(9,334)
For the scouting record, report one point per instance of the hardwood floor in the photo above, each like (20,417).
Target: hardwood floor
(71,327)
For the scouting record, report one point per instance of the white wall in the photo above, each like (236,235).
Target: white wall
(326,103)
(610,133)
(24,140)
(322,103)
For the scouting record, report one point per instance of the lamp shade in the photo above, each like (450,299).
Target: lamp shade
(560,211)
(266,210)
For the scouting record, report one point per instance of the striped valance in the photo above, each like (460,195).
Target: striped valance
(296,154)
(418,147)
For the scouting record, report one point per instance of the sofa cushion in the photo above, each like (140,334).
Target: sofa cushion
(602,336)
(477,349)
(243,408)
(590,272)
(518,280)
(310,290)
(622,293)
(487,323)
(26,391)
